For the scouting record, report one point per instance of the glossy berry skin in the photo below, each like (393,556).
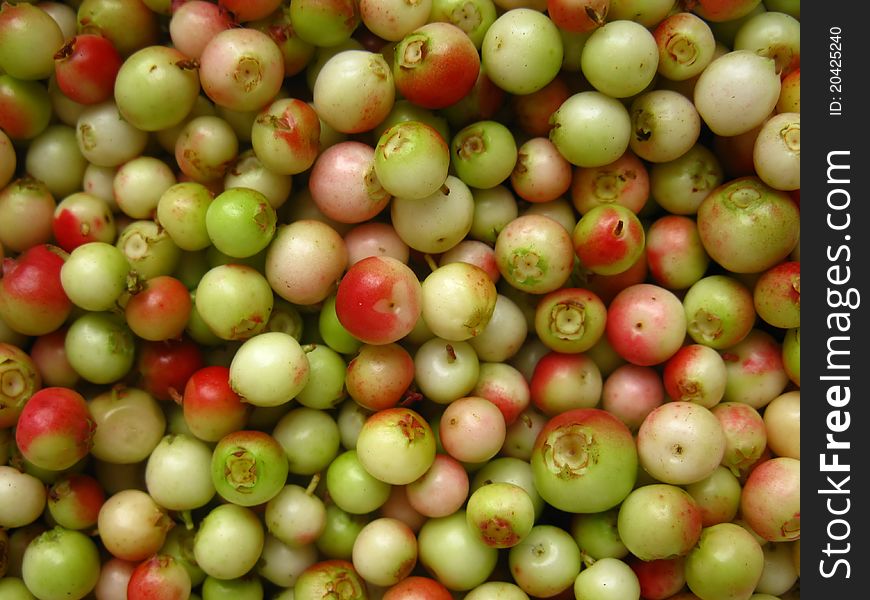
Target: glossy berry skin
(234,300)
(696,373)
(540,174)
(324,22)
(674,252)
(24,200)
(70,558)
(458,301)
(241,69)
(379,300)
(570,320)
(161,577)
(240,222)
(156,88)
(80,218)
(86,67)
(452,553)
(193,24)
(777,295)
(747,226)
(719,311)
(631,393)
(248,467)
(55,429)
(411,160)
(344,185)
(304,261)
(161,310)
(436,65)
(128,24)
(472,429)
(166,366)
(417,587)
(32,299)
(533,110)
(659,579)
(28,38)
(501,514)
(534,254)
(608,286)
(334,574)
(608,239)
(75,499)
(625,181)
(584,460)
(391,21)
(211,408)
(297,52)
(483,102)
(562,382)
(396,445)
(659,521)
(379,376)
(646,324)
(504,386)
(354,91)
(686,46)
(205,148)
(745,436)
(727,562)
(286,136)
(522,50)
(770,500)
(25,108)
(578,16)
